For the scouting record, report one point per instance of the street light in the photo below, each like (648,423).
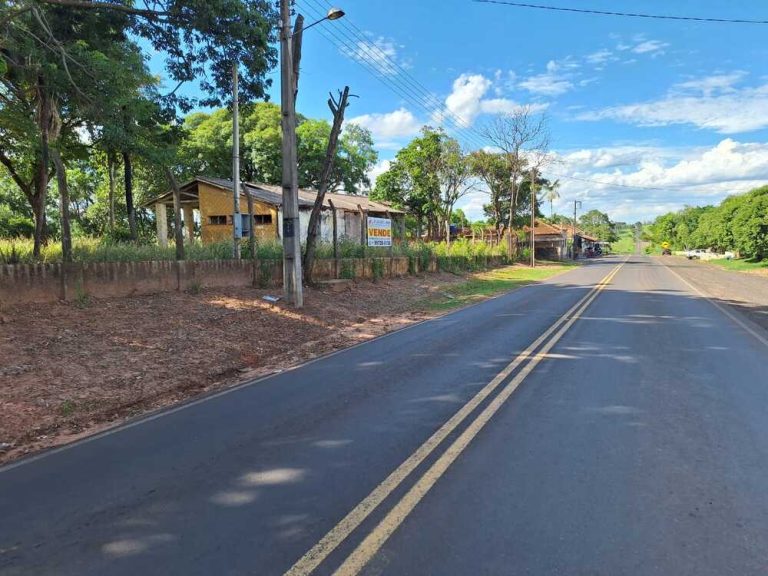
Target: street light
(333,14)
(289,64)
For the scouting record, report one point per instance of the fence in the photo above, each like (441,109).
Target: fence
(25,283)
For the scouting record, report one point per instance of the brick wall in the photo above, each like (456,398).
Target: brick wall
(26,283)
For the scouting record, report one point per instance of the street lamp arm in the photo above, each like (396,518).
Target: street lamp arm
(333,14)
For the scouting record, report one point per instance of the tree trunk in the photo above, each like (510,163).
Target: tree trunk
(511,223)
(128,176)
(111,170)
(313,229)
(44,119)
(178,231)
(61,179)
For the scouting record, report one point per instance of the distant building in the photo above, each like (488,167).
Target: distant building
(550,241)
(207,203)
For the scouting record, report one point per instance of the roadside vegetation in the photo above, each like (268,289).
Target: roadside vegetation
(739,224)
(626,240)
(487,284)
(741,264)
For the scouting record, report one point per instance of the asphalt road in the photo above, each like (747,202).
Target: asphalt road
(630,438)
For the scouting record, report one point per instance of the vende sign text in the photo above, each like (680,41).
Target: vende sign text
(379,231)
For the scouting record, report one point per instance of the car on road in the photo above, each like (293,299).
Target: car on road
(694,254)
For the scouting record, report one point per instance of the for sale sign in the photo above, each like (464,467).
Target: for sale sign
(379,231)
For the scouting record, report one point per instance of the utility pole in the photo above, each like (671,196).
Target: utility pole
(292,278)
(533,217)
(573,235)
(237,221)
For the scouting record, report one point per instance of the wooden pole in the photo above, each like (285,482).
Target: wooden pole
(237,221)
(363,228)
(533,217)
(178,232)
(335,240)
(292,278)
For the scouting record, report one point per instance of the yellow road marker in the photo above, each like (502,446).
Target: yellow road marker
(320,551)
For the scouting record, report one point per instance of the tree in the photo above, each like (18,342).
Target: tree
(207,149)
(412,182)
(65,61)
(494,171)
(523,138)
(551,193)
(750,224)
(599,225)
(454,173)
(338,108)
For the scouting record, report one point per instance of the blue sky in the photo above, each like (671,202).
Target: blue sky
(674,112)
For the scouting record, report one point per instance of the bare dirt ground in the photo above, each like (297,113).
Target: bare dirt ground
(68,369)
(747,293)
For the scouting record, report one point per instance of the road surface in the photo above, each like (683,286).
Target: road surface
(608,421)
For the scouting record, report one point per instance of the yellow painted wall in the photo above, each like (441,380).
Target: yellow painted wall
(218,202)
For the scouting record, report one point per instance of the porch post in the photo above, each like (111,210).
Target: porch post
(161,224)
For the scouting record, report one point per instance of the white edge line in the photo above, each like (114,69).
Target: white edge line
(732,315)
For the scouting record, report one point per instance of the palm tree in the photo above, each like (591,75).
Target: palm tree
(552,195)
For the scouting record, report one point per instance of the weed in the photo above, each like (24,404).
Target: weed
(265,272)
(82,298)
(67,408)
(194,288)
(347,269)
(377,268)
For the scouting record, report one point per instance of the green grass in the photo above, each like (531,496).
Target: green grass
(485,284)
(462,254)
(740,264)
(625,244)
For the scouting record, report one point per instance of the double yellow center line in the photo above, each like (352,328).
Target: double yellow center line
(386,527)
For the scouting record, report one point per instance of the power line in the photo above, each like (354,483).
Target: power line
(375,61)
(390,73)
(625,14)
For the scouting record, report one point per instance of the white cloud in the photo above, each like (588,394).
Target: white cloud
(713,103)
(555,81)
(389,126)
(467,100)
(718,83)
(381,53)
(650,47)
(463,103)
(378,169)
(600,57)
(638,183)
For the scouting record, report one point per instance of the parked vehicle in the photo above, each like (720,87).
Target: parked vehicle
(694,254)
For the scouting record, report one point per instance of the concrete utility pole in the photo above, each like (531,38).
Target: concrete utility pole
(237,221)
(573,236)
(533,218)
(292,278)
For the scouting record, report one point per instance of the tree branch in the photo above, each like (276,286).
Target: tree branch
(85,4)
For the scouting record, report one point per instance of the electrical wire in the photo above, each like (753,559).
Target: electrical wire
(356,46)
(393,76)
(624,14)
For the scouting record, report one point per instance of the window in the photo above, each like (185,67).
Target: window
(261,219)
(221,220)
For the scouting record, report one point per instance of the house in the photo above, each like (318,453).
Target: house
(550,241)
(583,241)
(208,203)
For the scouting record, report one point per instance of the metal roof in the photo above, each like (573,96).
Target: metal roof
(273,195)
